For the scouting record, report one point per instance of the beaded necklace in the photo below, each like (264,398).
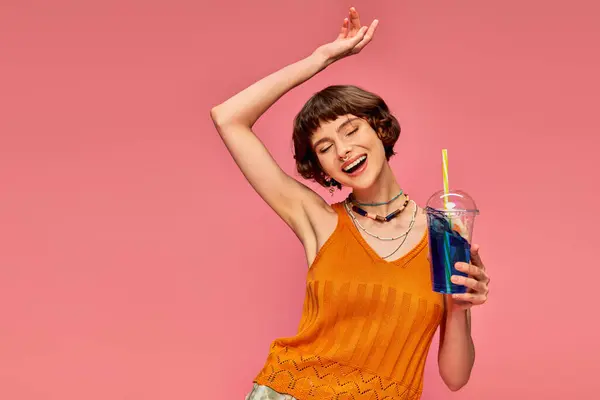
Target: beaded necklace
(403,236)
(377,217)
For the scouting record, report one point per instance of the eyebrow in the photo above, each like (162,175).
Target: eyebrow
(338,129)
(346,122)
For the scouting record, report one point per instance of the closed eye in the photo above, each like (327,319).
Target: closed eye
(324,149)
(351,132)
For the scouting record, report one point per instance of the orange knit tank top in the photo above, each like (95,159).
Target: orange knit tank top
(366,325)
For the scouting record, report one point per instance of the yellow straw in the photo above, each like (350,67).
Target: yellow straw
(453,221)
(448,269)
(445,175)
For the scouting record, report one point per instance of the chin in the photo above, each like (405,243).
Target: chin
(364,186)
(359,183)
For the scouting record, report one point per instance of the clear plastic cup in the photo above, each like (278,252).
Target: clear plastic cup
(450,220)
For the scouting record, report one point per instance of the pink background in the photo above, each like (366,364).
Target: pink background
(137,263)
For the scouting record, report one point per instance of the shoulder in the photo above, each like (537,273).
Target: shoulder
(322,212)
(325,218)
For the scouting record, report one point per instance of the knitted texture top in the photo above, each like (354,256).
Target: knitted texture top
(366,326)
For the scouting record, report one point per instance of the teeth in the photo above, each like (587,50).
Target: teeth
(355,163)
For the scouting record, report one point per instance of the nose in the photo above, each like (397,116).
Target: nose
(344,152)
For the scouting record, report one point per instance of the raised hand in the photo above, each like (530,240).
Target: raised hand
(351,40)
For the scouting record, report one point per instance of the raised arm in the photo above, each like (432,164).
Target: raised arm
(235,118)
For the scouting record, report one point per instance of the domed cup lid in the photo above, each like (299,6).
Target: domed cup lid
(455,201)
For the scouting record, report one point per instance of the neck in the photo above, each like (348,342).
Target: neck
(385,188)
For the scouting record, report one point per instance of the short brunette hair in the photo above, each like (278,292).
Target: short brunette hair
(329,104)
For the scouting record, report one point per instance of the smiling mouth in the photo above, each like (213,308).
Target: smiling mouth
(356,164)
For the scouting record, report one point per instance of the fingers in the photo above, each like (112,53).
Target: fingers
(354,21)
(344,29)
(355,40)
(476,257)
(368,36)
(474,284)
(474,271)
(477,281)
(471,298)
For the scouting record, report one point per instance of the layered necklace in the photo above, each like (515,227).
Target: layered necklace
(376,217)
(351,204)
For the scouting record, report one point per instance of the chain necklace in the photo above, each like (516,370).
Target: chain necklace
(405,235)
(396,249)
(357,223)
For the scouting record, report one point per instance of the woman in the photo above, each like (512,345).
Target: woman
(369,313)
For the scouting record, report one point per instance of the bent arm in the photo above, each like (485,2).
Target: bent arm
(234,119)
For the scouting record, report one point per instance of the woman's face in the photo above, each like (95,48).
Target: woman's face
(349,151)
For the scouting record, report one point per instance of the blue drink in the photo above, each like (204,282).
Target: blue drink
(446,248)
(450,220)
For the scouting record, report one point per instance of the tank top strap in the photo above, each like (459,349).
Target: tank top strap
(340,209)
(337,236)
